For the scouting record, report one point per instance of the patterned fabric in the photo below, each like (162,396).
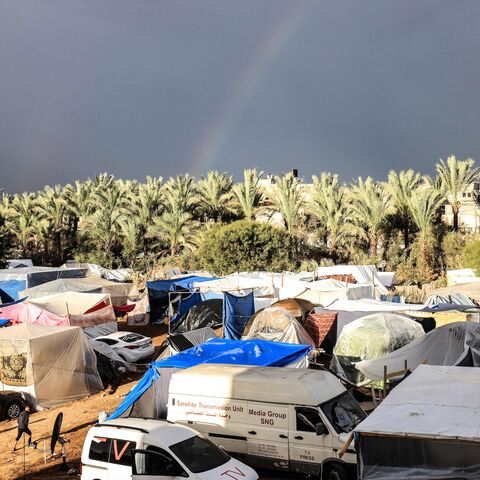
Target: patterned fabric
(13,363)
(318,325)
(349,278)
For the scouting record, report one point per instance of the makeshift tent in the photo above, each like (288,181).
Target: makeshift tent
(368,338)
(17,279)
(366,274)
(183,341)
(19,263)
(117,275)
(325,292)
(119,292)
(149,396)
(237,311)
(462,293)
(426,428)
(205,314)
(54,364)
(450,345)
(277,325)
(262,284)
(97,322)
(71,303)
(298,307)
(159,292)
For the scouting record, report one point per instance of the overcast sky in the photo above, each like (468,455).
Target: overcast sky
(152,87)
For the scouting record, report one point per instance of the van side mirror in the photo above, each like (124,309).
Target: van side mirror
(321,429)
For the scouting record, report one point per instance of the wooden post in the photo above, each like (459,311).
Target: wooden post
(384,381)
(345,447)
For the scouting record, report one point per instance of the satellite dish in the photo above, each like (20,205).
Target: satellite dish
(56,432)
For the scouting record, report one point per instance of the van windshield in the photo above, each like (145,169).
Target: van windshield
(199,454)
(343,412)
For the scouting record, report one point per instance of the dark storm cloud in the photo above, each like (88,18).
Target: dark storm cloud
(160,88)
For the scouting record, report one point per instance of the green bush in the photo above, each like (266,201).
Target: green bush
(247,246)
(453,246)
(471,254)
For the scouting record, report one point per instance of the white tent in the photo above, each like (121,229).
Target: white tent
(53,364)
(71,303)
(427,428)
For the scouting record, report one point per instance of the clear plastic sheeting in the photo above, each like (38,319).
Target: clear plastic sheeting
(426,428)
(278,325)
(54,364)
(453,344)
(368,338)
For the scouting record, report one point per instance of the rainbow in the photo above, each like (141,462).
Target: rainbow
(207,150)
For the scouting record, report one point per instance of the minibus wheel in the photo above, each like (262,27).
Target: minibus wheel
(334,471)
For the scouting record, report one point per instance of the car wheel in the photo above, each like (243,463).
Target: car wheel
(14,409)
(334,471)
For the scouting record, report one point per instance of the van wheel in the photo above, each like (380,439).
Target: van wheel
(334,471)
(13,410)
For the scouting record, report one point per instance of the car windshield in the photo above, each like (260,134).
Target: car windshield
(343,412)
(199,454)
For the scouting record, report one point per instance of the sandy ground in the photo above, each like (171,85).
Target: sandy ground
(78,417)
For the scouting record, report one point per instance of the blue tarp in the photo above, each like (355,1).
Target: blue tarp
(5,297)
(13,303)
(136,392)
(13,287)
(237,311)
(237,352)
(175,283)
(261,353)
(186,303)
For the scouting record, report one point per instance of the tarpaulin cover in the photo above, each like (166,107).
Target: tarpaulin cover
(236,313)
(237,352)
(119,292)
(368,338)
(426,428)
(206,314)
(277,325)
(34,276)
(5,297)
(449,345)
(185,304)
(13,287)
(173,284)
(219,350)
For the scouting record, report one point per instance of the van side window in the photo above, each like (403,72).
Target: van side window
(99,448)
(121,452)
(162,463)
(307,419)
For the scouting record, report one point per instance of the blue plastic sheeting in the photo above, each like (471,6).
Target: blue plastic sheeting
(186,303)
(4,322)
(13,287)
(237,352)
(5,297)
(174,283)
(237,311)
(260,353)
(151,375)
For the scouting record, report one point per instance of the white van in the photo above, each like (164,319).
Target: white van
(289,419)
(147,449)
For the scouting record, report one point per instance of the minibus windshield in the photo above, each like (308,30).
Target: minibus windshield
(343,412)
(199,454)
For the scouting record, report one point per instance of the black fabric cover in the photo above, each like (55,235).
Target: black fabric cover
(5,297)
(206,314)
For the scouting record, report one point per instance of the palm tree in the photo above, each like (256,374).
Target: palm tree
(401,186)
(248,193)
(369,206)
(23,219)
(328,204)
(179,193)
(215,195)
(455,176)
(175,229)
(424,205)
(287,199)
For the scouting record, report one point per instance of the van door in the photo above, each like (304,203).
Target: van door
(267,435)
(310,441)
(156,464)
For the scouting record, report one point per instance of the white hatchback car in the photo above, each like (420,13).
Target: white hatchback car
(132,347)
(147,449)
